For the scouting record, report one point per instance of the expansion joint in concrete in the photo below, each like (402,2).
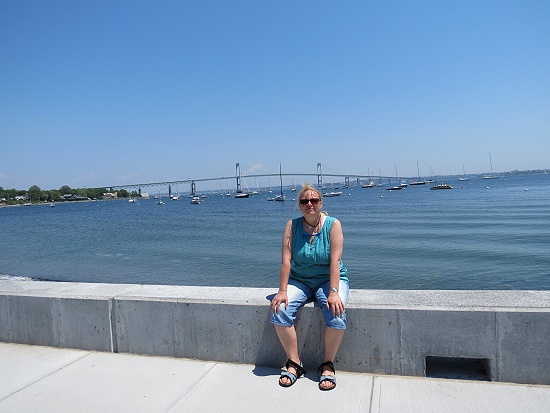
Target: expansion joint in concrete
(112,325)
(400,343)
(43,376)
(180,401)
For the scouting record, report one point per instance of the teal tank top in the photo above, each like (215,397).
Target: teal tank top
(311,261)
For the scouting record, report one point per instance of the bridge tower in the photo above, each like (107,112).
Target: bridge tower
(346,181)
(238,176)
(170,191)
(319,176)
(193,188)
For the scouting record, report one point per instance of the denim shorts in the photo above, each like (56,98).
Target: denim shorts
(300,294)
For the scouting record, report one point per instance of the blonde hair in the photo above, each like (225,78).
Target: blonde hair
(307,187)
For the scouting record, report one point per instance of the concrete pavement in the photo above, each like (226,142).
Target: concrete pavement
(47,379)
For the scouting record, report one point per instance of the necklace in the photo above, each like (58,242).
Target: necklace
(313,226)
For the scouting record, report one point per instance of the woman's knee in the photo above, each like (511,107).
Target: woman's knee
(331,321)
(283,317)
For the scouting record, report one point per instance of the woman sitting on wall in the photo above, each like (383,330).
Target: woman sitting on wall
(311,268)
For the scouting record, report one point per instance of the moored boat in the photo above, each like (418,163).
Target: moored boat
(490,175)
(442,185)
(419,181)
(281,196)
(333,193)
(463,178)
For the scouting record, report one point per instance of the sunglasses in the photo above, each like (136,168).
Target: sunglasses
(314,201)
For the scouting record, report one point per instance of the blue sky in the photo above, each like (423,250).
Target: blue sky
(117,92)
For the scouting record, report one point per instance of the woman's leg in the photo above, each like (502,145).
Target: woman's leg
(289,341)
(335,328)
(298,294)
(333,339)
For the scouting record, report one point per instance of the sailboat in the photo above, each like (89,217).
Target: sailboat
(490,176)
(370,184)
(293,189)
(397,187)
(419,182)
(379,179)
(281,196)
(176,197)
(240,194)
(257,190)
(463,178)
(159,202)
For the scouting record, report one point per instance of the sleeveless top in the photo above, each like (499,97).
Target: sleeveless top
(310,262)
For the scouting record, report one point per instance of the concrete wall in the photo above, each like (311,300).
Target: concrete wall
(388,332)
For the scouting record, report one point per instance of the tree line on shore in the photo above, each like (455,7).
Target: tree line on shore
(36,195)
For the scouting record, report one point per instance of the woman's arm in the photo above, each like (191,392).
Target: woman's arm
(284,275)
(334,302)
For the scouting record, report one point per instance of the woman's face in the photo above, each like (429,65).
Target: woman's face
(314,204)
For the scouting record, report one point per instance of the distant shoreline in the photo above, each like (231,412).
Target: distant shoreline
(3,205)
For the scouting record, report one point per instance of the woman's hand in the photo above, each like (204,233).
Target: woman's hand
(335,303)
(280,298)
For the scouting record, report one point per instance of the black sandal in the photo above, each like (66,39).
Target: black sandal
(300,371)
(323,378)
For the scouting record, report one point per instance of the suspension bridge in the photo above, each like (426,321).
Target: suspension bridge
(239,178)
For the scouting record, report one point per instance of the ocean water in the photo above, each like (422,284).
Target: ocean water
(483,234)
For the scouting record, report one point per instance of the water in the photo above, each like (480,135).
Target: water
(465,238)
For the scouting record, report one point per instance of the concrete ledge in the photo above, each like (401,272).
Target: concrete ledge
(390,332)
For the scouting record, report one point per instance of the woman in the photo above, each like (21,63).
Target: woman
(311,268)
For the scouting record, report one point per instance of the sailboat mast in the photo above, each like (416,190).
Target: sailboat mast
(281,178)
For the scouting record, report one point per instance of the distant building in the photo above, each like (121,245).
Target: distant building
(110,195)
(73,197)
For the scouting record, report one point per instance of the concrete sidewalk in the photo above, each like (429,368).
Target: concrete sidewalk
(46,379)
